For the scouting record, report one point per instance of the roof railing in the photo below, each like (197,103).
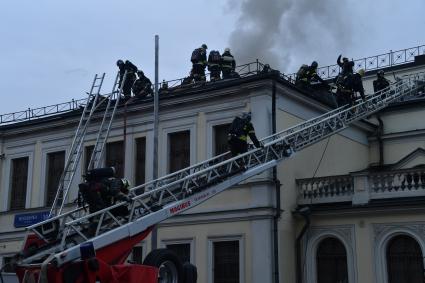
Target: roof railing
(385,60)
(245,70)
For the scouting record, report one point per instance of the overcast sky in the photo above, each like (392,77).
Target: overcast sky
(51,49)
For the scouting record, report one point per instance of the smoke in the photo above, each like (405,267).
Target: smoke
(288,33)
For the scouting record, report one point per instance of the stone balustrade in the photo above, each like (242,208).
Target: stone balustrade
(362,187)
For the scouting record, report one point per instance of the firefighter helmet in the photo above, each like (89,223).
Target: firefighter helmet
(246,116)
(361,72)
(120,63)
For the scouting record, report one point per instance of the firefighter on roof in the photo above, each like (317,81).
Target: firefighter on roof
(199,62)
(228,64)
(214,61)
(381,82)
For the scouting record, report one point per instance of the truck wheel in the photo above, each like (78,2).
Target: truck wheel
(190,273)
(169,265)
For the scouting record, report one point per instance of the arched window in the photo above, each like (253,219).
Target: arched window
(331,262)
(404,260)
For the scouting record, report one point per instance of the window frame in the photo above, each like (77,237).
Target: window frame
(135,139)
(47,175)
(7,185)
(144,246)
(214,136)
(43,180)
(230,238)
(344,233)
(104,157)
(164,149)
(210,131)
(190,241)
(384,233)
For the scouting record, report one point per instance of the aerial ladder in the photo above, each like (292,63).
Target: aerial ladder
(58,246)
(94,102)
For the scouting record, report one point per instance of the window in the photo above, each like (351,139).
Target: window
(137,255)
(115,157)
(220,139)
(404,260)
(87,155)
(226,262)
(179,153)
(331,261)
(181,250)
(8,268)
(55,165)
(19,183)
(140,161)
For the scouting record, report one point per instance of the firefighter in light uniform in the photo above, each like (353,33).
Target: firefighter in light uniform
(228,64)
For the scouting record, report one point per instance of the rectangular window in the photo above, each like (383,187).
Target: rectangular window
(19,178)
(220,139)
(115,157)
(8,267)
(137,255)
(55,165)
(88,150)
(226,262)
(179,153)
(181,250)
(140,161)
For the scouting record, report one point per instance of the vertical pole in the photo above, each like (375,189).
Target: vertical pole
(155,133)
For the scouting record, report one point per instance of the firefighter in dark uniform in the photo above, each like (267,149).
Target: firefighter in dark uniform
(228,64)
(239,131)
(347,89)
(199,62)
(307,76)
(346,65)
(101,190)
(381,82)
(130,78)
(142,87)
(214,61)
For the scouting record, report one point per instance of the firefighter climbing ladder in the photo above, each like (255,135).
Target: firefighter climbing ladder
(94,100)
(172,194)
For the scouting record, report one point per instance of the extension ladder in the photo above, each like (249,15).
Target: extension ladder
(160,199)
(93,103)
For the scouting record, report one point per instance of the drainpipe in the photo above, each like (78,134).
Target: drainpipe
(305,213)
(278,211)
(380,143)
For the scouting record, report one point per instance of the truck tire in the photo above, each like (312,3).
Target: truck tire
(169,265)
(190,273)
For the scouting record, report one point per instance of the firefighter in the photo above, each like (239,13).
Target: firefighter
(239,131)
(228,64)
(381,82)
(307,76)
(346,65)
(214,61)
(199,62)
(101,189)
(347,89)
(130,78)
(142,86)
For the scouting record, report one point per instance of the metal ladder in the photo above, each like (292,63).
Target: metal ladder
(172,194)
(75,150)
(93,103)
(105,126)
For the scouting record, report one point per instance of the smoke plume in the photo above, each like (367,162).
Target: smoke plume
(287,33)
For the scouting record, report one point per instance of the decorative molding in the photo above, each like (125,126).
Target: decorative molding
(344,233)
(383,233)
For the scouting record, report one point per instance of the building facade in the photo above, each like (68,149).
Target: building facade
(362,188)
